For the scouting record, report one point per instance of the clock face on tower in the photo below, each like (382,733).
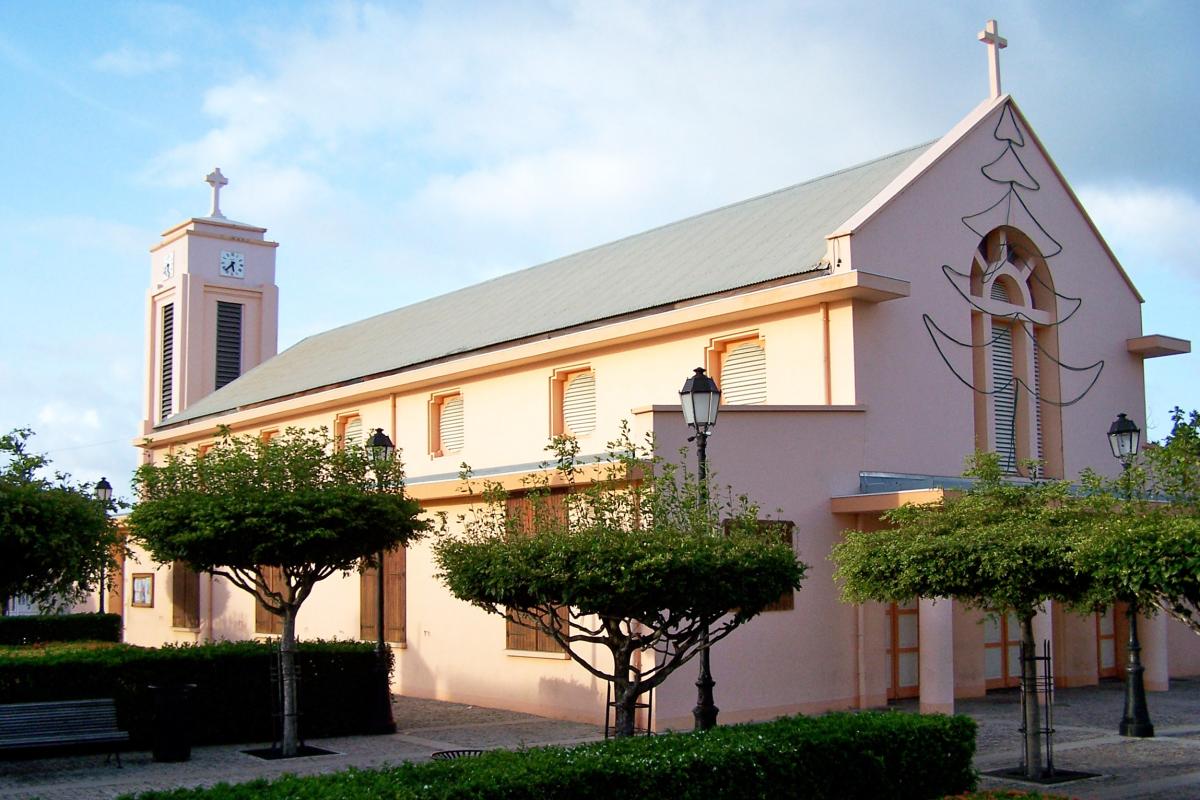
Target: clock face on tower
(168,269)
(233,264)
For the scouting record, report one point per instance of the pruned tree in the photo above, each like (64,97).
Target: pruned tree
(1145,546)
(634,559)
(295,502)
(998,547)
(56,539)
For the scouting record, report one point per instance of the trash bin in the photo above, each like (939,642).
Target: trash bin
(172,721)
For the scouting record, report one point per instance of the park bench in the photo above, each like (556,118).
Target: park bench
(91,724)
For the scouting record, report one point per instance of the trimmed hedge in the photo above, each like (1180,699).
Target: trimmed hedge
(836,757)
(60,628)
(232,701)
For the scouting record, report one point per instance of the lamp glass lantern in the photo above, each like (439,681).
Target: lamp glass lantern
(381,446)
(1124,437)
(700,399)
(103,490)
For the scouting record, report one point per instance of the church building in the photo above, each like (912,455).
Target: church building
(868,329)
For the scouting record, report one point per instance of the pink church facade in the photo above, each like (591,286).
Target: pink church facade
(869,330)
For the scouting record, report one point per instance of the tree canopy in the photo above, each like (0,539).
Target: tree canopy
(1145,545)
(998,546)
(638,555)
(55,538)
(297,502)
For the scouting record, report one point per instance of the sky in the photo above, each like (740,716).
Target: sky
(401,150)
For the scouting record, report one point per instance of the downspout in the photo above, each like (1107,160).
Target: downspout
(828,366)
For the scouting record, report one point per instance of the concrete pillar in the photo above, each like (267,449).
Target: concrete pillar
(937,656)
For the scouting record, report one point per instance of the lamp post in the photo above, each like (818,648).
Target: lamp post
(382,451)
(700,399)
(103,492)
(1124,436)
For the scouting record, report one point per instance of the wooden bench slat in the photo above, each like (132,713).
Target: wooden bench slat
(60,723)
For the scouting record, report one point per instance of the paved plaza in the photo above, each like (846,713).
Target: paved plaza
(1166,767)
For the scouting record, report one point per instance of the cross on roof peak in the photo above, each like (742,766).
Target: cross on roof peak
(216,180)
(990,35)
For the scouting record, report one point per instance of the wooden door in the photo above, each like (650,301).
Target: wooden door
(903,651)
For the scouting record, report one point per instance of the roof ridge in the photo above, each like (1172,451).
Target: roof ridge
(612,242)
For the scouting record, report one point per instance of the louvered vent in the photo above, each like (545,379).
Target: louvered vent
(1037,404)
(352,434)
(451,424)
(229,342)
(1000,292)
(744,375)
(167,377)
(579,404)
(1004,397)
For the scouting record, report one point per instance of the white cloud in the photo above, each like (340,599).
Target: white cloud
(129,63)
(1155,225)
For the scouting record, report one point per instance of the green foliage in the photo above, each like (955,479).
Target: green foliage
(998,547)
(638,555)
(1145,544)
(60,628)
(838,756)
(55,537)
(294,501)
(233,685)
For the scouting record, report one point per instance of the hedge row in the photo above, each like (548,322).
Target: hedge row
(233,695)
(60,628)
(838,756)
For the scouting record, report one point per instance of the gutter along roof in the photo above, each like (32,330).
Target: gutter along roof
(774,236)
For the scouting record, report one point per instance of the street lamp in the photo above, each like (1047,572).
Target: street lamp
(103,492)
(382,450)
(700,399)
(1124,436)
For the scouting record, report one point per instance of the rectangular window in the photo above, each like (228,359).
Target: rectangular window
(142,594)
(185,596)
(166,381)
(518,636)
(349,431)
(229,342)
(447,425)
(394,598)
(1004,398)
(264,620)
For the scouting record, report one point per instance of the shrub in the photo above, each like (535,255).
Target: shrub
(60,628)
(843,756)
(232,701)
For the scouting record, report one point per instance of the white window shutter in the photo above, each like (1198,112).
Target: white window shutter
(579,404)
(744,375)
(451,426)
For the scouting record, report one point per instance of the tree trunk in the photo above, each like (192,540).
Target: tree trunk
(287,675)
(625,695)
(1029,695)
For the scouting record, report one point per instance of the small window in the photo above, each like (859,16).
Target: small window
(142,585)
(743,378)
(573,402)
(349,431)
(447,424)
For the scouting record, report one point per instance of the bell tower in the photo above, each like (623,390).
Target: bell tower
(212,310)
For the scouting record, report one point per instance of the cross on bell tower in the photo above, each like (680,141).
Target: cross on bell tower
(990,35)
(216,180)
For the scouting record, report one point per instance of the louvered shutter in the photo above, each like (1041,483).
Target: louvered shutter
(1037,404)
(1004,396)
(394,598)
(167,379)
(352,432)
(185,596)
(518,636)
(579,404)
(1000,292)
(229,342)
(264,620)
(451,425)
(744,375)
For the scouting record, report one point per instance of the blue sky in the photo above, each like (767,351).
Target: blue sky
(400,150)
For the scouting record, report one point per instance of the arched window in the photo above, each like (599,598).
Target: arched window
(1015,346)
